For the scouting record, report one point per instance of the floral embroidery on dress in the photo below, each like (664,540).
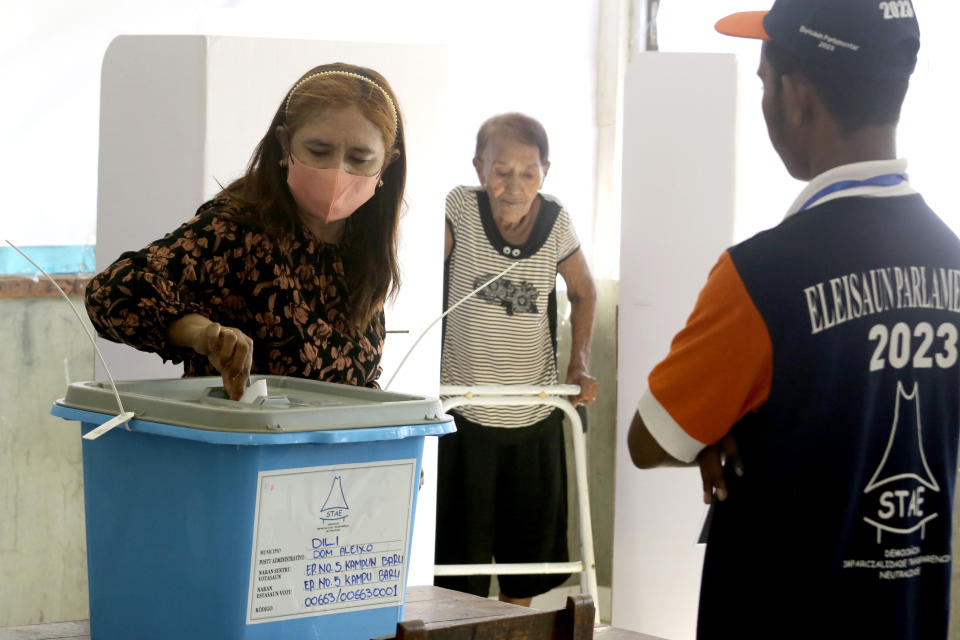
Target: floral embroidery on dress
(514,297)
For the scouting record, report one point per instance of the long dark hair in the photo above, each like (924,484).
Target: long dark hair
(370,236)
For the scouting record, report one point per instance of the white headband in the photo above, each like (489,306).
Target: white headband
(393,107)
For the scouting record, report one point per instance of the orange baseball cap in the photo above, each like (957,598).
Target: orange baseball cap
(746,24)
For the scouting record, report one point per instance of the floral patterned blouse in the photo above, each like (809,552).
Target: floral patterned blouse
(288,293)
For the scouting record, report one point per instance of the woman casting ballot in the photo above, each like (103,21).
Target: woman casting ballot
(287,269)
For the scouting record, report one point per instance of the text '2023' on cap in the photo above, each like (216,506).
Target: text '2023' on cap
(872,38)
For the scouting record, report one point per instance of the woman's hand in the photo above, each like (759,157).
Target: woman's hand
(229,350)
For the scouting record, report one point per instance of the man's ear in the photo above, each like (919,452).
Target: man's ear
(800,99)
(282,134)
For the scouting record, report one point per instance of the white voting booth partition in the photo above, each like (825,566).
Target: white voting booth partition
(678,202)
(181,115)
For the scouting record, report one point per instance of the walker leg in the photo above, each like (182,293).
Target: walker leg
(589,575)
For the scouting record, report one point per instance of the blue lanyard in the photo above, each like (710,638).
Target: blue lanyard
(887,180)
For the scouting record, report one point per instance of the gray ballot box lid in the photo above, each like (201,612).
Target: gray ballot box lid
(291,404)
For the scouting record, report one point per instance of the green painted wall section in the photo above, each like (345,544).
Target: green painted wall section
(42,542)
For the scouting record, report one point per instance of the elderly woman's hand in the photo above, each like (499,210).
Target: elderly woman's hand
(589,387)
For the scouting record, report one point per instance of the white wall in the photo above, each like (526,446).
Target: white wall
(677,217)
(927,136)
(929,131)
(536,56)
(152,162)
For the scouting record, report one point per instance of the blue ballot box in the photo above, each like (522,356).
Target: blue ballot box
(289,517)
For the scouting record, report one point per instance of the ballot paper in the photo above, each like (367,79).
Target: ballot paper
(254,391)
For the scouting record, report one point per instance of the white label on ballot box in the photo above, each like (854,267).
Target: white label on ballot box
(330,539)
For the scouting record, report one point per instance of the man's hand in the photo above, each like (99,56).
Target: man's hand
(589,387)
(712,461)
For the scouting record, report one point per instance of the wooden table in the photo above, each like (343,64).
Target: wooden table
(435,606)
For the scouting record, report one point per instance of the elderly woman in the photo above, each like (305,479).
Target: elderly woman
(502,476)
(286,270)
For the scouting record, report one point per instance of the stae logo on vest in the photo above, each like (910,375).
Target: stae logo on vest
(903,476)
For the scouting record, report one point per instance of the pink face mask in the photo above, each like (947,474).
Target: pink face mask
(328,194)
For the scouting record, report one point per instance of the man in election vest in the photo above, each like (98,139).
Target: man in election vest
(824,351)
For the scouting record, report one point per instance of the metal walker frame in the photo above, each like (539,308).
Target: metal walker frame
(525,395)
